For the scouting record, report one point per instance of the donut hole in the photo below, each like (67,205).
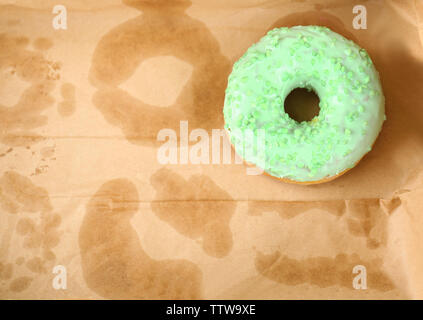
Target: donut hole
(302,104)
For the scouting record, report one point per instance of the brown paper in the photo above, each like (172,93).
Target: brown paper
(83,195)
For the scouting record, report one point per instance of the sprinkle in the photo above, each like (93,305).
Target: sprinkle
(366,79)
(363,53)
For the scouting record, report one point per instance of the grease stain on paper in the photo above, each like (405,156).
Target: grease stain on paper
(366,218)
(17,122)
(321,271)
(36,223)
(20,284)
(163,29)
(6,271)
(197,208)
(67,106)
(114,263)
(42,44)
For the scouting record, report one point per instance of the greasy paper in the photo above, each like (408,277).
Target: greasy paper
(84,197)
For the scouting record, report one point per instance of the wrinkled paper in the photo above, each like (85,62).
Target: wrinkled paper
(88,211)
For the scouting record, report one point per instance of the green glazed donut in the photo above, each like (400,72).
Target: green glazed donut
(351,104)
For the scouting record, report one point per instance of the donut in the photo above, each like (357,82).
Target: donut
(351,102)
